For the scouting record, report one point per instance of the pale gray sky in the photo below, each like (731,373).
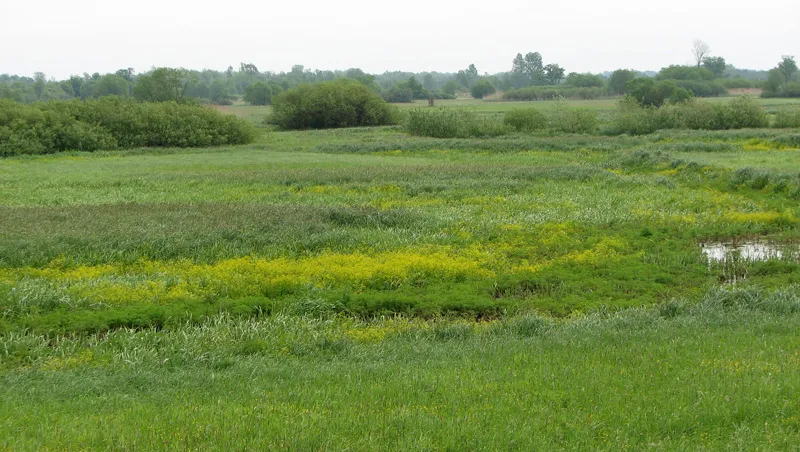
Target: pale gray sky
(71,37)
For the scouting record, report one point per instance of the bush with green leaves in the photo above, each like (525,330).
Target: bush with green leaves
(788,119)
(482,88)
(702,88)
(568,119)
(111,123)
(525,119)
(649,93)
(259,93)
(452,123)
(327,105)
(635,119)
(26,129)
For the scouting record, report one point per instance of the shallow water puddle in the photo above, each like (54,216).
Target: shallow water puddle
(748,251)
(734,255)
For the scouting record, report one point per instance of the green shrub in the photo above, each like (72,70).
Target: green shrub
(482,88)
(650,93)
(742,112)
(326,105)
(259,93)
(525,119)
(787,119)
(452,123)
(572,120)
(111,122)
(702,88)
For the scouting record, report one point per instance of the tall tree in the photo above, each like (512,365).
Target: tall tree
(700,50)
(518,71)
(162,85)
(553,73)
(534,68)
(716,65)
(619,78)
(248,68)
(127,74)
(39,81)
(788,68)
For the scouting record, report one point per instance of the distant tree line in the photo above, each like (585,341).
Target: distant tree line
(529,78)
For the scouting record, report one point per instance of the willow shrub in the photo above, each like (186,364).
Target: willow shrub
(111,123)
(740,113)
(327,105)
(525,119)
(787,119)
(452,123)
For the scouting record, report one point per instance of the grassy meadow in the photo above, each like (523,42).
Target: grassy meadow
(367,289)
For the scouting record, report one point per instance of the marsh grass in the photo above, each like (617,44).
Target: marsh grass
(719,373)
(366,289)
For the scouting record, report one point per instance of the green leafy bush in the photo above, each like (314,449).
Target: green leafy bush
(525,119)
(740,113)
(452,123)
(482,88)
(650,93)
(787,119)
(702,88)
(110,123)
(573,120)
(326,105)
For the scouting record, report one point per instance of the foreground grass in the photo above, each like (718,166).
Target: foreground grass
(720,374)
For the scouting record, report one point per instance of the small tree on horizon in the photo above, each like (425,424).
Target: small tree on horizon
(700,50)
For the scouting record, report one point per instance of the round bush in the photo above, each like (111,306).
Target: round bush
(327,105)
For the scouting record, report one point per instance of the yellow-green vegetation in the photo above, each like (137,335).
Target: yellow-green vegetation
(363,287)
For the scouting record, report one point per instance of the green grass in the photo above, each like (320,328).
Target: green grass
(366,288)
(722,374)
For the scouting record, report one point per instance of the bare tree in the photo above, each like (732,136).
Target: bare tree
(700,50)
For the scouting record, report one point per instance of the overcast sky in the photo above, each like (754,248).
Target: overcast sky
(71,37)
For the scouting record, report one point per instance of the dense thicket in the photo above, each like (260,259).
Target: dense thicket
(111,123)
(340,103)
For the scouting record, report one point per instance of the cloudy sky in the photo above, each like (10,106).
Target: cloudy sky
(71,37)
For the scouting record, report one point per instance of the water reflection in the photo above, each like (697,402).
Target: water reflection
(734,256)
